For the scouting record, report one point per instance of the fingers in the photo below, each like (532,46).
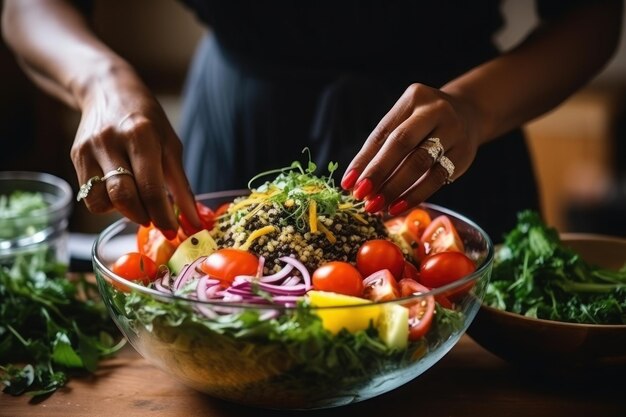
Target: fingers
(395,117)
(410,170)
(400,164)
(144,148)
(177,181)
(89,173)
(400,151)
(137,146)
(435,178)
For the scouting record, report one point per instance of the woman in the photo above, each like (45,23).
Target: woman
(405,96)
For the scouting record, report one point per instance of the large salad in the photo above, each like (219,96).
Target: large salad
(293,296)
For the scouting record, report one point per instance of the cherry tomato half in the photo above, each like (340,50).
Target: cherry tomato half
(399,226)
(152,243)
(416,222)
(381,286)
(444,268)
(410,271)
(207,220)
(441,236)
(223,208)
(134,266)
(339,277)
(421,310)
(225,264)
(378,254)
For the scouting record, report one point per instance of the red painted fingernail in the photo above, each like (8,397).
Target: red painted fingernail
(349,179)
(169,234)
(375,204)
(362,189)
(398,207)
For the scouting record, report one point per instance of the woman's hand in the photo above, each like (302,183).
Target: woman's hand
(394,168)
(122,125)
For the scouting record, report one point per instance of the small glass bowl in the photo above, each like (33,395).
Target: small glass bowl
(44,229)
(257,369)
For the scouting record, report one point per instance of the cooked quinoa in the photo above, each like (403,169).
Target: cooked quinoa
(292,239)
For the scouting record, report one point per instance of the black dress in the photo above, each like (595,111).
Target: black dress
(274,77)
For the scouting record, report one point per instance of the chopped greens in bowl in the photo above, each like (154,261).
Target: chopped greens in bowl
(536,275)
(34,210)
(555,302)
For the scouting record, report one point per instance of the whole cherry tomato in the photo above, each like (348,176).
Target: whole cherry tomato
(225,264)
(376,255)
(134,266)
(444,268)
(340,277)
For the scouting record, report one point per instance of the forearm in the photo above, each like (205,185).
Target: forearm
(536,76)
(56,48)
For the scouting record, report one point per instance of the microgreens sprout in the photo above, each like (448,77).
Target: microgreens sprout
(300,186)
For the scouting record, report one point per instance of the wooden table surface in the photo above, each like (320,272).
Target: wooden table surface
(468,381)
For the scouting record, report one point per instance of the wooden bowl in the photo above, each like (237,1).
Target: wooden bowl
(546,343)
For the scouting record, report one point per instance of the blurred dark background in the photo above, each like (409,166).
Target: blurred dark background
(579,149)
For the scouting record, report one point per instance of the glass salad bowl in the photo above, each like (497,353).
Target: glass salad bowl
(327,352)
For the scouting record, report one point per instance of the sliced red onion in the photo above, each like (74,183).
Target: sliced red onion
(287,298)
(300,267)
(270,279)
(298,289)
(240,291)
(268,315)
(213,288)
(189,271)
(259,270)
(293,280)
(159,286)
(241,281)
(166,276)
(201,293)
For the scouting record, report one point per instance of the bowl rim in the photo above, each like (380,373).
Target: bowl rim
(571,236)
(122,223)
(551,323)
(58,206)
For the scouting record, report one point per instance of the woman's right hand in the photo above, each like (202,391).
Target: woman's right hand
(122,125)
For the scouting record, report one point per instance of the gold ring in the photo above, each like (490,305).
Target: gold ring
(83,192)
(117,171)
(447,164)
(434,148)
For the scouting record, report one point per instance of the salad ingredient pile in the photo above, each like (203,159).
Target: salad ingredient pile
(535,275)
(297,239)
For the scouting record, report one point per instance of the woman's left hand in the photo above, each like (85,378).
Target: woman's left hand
(401,163)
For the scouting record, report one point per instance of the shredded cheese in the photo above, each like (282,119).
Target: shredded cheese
(255,235)
(244,203)
(313,216)
(358,217)
(329,235)
(253,212)
(345,206)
